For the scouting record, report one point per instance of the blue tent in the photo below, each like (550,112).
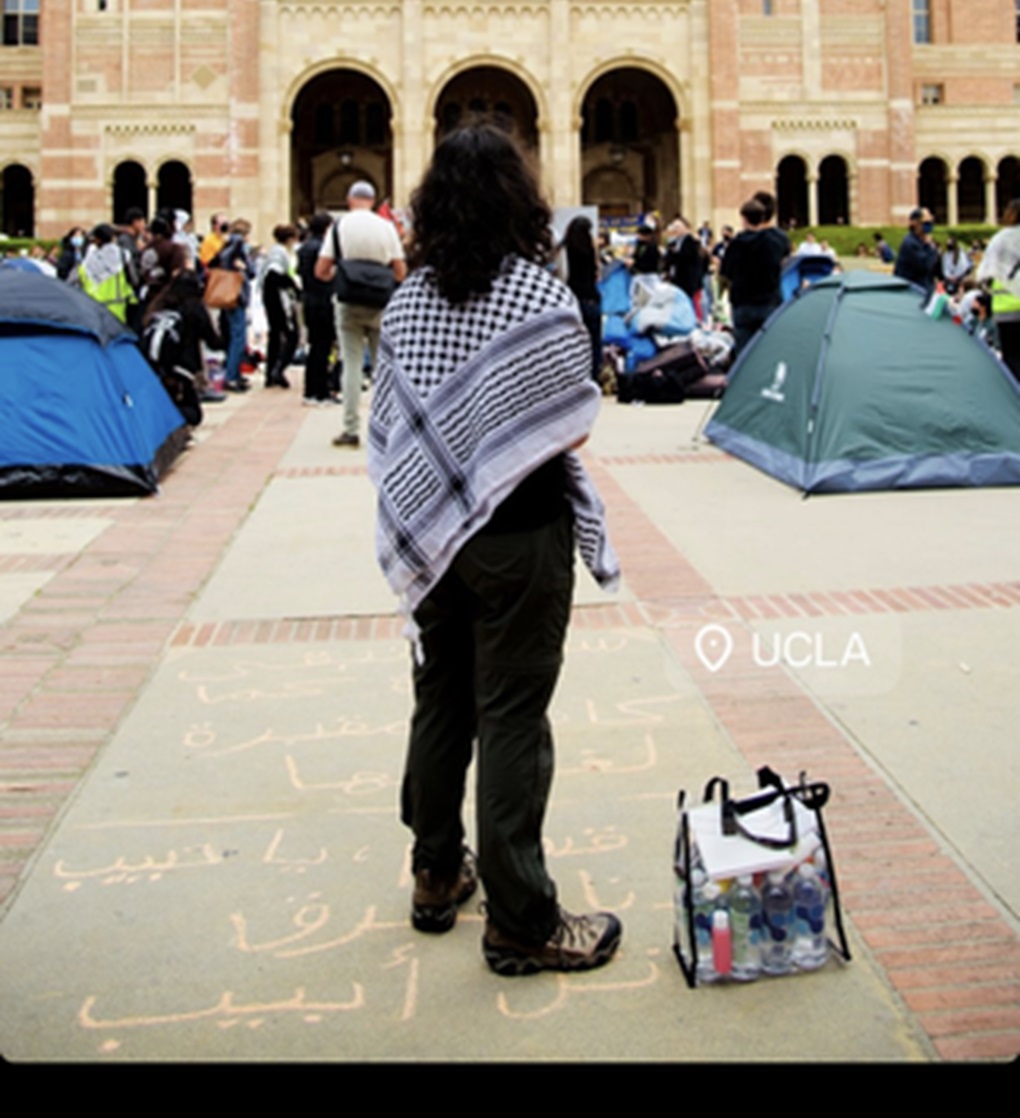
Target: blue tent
(81,411)
(804,270)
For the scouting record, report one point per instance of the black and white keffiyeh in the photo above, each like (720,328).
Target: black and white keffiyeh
(468,401)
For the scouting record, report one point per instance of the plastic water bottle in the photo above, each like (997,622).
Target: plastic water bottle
(810,950)
(745,922)
(722,943)
(777,921)
(706,897)
(679,911)
(821,864)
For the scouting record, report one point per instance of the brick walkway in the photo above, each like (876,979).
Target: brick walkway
(78,654)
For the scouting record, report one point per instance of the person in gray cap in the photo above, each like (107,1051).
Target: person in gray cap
(360,236)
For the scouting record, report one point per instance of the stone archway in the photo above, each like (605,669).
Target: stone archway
(933,189)
(341,132)
(970,191)
(1007,183)
(173,187)
(488,93)
(792,192)
(130,189)
(17,201)
(833,191)
(630,158)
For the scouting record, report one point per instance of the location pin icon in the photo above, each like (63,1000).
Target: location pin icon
(713,644)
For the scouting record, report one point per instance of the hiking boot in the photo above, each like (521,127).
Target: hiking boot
(435,900)
(577,943)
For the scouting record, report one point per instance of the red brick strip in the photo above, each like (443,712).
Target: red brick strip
(944,947)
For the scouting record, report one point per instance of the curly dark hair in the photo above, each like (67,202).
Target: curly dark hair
(478,203)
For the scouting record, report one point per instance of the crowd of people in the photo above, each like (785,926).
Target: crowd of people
(734,282)
(279,303)
(189,298)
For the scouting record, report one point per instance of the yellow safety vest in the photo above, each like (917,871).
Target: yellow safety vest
(114,293)
(1004,302)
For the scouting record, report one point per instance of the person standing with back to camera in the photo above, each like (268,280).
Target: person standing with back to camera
(484,391)
(360,236)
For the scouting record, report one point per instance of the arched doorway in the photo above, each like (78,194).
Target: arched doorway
(340,133)
(792,192)
(173,187)
(489,93)
(630,158)
(17,201)
(833,191)
(970,191)
(932,191)
(1007,183)
(129,190)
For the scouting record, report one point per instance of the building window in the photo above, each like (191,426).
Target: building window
(766,7)
(922,21)
(933,94)
(6,97)
(31,97)
(21,23)
(1018,21)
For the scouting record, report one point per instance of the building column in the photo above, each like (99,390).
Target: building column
(952,198)
(812,197)
(724,72)
(558,136)
(412,132)
(899,53)
(696,177)
(991,217)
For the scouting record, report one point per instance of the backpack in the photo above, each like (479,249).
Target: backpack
(161,340)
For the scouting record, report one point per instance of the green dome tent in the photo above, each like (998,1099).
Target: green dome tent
(852,386)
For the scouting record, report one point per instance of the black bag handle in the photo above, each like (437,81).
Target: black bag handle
(813,796)
(730,810)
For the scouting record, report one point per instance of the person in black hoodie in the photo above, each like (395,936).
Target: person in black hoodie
(317,298)
(751,268)
(176,323)
(582,279)
(685,261)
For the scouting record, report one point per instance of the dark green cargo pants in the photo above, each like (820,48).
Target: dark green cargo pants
(492,632)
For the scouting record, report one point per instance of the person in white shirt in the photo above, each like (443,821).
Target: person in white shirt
(361,235)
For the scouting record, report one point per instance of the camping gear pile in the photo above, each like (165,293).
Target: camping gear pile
(81,411)
(851,386)
(652,339)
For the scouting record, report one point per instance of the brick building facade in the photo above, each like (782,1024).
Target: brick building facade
(852,110)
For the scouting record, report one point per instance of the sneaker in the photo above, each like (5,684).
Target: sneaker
(577,943)
(238,385)
(435,900)
(347,440)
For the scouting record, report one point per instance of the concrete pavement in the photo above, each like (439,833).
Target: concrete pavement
(203,712)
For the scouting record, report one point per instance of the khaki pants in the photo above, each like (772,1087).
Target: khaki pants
(356,327)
